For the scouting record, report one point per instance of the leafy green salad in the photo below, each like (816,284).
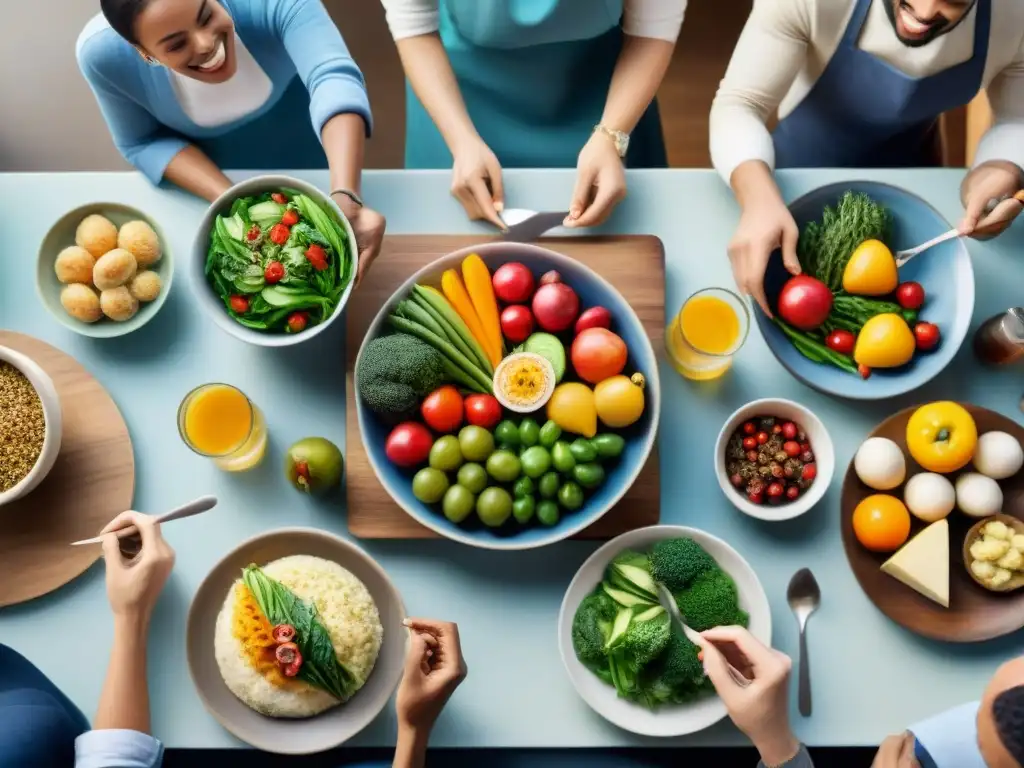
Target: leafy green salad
(279,261)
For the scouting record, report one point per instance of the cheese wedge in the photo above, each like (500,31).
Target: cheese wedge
(923,563)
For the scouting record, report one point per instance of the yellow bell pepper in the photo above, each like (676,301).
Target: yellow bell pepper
(885,341)
(942,436)
(871,270)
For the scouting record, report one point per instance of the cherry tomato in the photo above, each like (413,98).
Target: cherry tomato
(751,455)
(789,430)
(253,234)
(290,218)
(736,480)
(749,428)
(277,197)
(513,283)
(792,492)
(273,272)
(756,498)
(792,448)
(810,472)
(864,371)
(762,438)
(408,444)
(910,295)
(749,443)
(804,302)
(516,323)
(283,633)
(777,429)
(483,411)
(442,409)
(279,234)
(841,341)
(297,321)
(317,256)
(775,490)
(927,336)
(240,304)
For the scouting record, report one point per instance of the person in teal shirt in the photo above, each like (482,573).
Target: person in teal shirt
(535,83)
(188,87)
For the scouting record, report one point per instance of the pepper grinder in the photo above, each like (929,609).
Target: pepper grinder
(1000,339)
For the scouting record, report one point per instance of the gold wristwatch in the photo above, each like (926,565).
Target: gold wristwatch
(619,138)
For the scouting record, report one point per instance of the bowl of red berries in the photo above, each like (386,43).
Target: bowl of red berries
(774,459)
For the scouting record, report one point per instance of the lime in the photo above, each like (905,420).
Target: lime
(472,477)
(429,485)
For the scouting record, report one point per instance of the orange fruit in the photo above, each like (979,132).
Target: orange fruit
(881,523)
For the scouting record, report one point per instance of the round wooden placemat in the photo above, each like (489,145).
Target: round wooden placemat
(974,614)
(92,482)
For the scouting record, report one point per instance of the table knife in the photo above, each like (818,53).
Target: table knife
(525,226)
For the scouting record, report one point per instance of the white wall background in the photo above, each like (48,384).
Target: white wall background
(50,122)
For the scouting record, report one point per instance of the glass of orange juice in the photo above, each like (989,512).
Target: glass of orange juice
(219,422)
(709,329)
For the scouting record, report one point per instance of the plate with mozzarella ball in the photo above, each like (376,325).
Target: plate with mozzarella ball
(928,512)
(104,269)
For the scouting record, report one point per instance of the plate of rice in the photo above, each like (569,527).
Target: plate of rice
(295,641)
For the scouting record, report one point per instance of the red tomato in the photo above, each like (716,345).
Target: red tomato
(756,498)
(910,295)
(513,283)
(408,444)
(749,428)
(841,341)
(240,304)
(317,256)
(810,472)
(290,218)
(792,492)
(595,317)
(792,448)
(775,490)
(277,197)
(762,438)
(598,354)
(749,443)
(279,234)
(483,411)
(555,306)
(789,430)
(927,336)
(516,322)
(442,409)
(297,321)
(805,302)
(253,234)
(273,272)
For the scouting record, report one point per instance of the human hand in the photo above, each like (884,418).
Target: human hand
(434,668)
(600,183)
(989,205)
(897,752)
(476,181)
(368,227)
(134,584)
(760,709)
(764,226)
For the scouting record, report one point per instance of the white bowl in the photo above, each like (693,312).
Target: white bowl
(668,720)
(821,446)
(43,385)
(211,302)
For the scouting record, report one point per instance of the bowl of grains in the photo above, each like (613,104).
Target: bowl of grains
(774,459)
(30,425)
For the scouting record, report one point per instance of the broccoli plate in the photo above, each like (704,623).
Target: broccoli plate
(279,261)
(622,634)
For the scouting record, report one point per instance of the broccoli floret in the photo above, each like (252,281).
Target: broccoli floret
(396,371)
(676,563)
(591,627)
(711,601)
(645,640)
(675,677)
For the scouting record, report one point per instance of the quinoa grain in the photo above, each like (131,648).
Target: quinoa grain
(22,426)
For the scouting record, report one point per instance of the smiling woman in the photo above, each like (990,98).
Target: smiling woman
(188,87)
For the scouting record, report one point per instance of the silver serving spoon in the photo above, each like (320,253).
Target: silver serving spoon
(804,596)
(525,226)
(195,507)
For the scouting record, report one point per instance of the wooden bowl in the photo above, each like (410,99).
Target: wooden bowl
(1017,580)
(975,614)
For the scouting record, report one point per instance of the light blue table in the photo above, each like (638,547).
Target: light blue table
(870,677)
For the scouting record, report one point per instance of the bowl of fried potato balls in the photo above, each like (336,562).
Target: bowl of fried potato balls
(104,270)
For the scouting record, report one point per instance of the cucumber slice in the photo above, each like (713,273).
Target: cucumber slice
(624,598)
(649,614)
(550,348)
(619,627)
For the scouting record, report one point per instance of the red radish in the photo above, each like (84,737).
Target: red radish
(595,317)
(841,341)
(408,444)
(555,306)
(513,283)
(516,323)
(910,295)
(805,302)
(551,276)
(927,336)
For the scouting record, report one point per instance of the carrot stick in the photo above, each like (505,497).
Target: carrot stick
(457,296)
(481,293)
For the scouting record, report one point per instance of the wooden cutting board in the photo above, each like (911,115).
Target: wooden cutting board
(92,481)
(634,264)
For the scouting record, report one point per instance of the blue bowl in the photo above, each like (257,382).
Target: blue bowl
(945,273)
(593,290)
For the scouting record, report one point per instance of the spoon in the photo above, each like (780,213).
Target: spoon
(804,596)
(195,507)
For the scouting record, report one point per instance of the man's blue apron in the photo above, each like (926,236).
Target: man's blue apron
(865,113)
(534,75)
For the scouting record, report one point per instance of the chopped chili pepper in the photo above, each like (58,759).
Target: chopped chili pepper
(274,272)
(317,256)
(290,218)
(283,633)
(253,234)
(277,197)
(279,234)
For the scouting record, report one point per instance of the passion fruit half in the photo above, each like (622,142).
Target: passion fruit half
(314,465)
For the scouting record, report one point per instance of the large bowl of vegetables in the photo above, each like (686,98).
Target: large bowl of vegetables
(274,261)
(507,396)
(854,324)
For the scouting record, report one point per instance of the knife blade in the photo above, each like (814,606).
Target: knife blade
(525,226)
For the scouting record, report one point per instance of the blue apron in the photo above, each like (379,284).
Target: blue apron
(949,739)
(534,75)
(865,113)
